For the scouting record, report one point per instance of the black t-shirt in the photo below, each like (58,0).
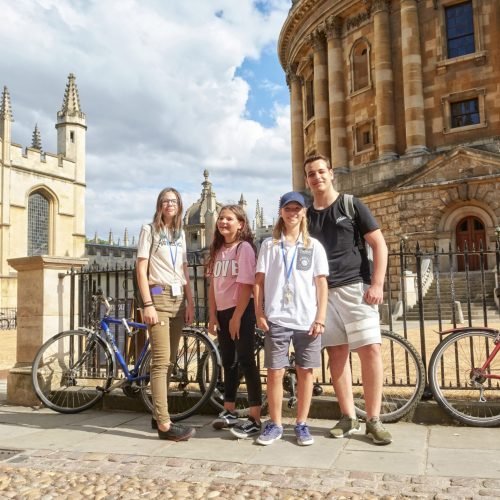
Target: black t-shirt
(337,234)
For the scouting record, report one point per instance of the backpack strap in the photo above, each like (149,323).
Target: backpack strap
(349,209)
(150,248)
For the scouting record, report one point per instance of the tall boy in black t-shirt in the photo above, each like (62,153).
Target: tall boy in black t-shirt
(352,322)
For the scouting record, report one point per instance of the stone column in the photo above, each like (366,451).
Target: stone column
(384,80)
(412,78)
(321,108)
(43,309)
(297,128)
(336,93)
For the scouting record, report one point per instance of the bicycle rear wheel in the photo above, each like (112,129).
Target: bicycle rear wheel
(72,370)
(192,379)
(404,378)
(458,382)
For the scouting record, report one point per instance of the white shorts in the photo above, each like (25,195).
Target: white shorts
(349,319)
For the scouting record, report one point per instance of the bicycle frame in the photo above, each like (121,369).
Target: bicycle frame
(130,375)
(482,370)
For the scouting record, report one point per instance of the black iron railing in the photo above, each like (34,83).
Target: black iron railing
(427,292)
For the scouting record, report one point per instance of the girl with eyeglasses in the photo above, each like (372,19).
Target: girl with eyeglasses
(163,279)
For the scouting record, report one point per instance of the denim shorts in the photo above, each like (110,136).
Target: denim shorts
(277,345)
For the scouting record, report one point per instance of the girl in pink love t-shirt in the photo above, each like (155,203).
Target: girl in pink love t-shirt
(231,267)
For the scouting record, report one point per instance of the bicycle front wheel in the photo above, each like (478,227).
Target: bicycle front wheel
(192,379)
(72,370)
(404,378)
(460,384)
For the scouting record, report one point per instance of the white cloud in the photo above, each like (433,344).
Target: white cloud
(157,83)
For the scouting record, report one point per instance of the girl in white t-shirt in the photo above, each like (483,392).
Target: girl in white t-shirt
(163,279)
(231,267)
(291,294)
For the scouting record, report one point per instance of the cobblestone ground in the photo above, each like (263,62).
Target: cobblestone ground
(48,475)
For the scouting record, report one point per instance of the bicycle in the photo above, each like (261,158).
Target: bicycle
(74,369)
(464,375)
(404,380)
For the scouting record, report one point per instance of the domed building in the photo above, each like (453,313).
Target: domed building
(200,218)
(404,97)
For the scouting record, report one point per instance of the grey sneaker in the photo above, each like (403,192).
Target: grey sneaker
(345,427)
(271,433)
(225,420)
(246,429)
(377,432)
(303,435)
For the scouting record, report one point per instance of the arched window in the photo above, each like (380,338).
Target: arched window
(38,224)
(360,65)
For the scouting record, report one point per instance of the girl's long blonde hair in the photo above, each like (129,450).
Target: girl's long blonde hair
(158,223)
(279,228)
(244,234)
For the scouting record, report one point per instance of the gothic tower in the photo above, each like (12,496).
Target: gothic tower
(71,131)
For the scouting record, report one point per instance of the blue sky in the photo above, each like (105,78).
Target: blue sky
(267,85)
(169,89)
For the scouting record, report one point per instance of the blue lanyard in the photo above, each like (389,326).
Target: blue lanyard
(288,270)
(174,259)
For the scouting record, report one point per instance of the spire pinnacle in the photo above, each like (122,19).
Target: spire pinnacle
(5,108)
(207,185)
(259,215)
(71,101)
(36,141)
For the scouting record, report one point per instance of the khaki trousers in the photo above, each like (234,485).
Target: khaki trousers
(164,338)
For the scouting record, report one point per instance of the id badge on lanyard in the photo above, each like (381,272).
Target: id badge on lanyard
(176,288)
(288,291)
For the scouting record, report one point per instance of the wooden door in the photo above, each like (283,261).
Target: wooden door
(471,230)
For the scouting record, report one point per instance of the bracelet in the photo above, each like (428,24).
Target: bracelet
(147,304)
(319,323)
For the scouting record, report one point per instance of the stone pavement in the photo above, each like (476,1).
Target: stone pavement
(101,454)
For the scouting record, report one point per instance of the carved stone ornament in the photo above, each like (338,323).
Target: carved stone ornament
(333,27)
(291,74)
(356,21)
(316,39)
(380,5)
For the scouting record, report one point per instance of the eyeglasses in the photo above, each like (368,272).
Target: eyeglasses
(169,202)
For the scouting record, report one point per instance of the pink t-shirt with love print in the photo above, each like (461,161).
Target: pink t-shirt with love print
(233,267)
